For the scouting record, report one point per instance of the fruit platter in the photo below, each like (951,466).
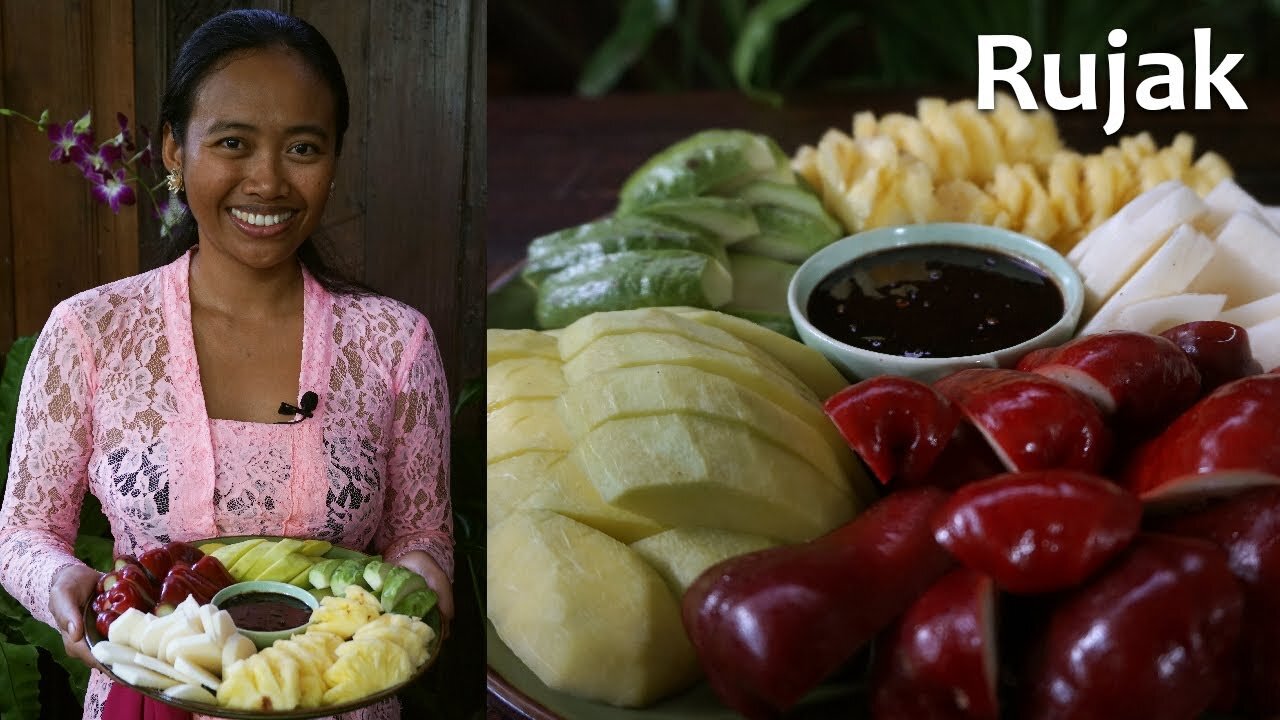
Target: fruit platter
(263,627)
(693,514)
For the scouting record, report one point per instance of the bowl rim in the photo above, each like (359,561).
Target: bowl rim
(267,587)
(851,247)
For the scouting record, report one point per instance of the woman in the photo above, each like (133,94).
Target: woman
(160,393)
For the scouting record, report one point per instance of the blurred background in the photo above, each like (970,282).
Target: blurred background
(582,93)
(774,48)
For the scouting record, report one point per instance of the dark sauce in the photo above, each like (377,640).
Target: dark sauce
(935,301)
(267,612)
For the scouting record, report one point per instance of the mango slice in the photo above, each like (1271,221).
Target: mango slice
(584,612)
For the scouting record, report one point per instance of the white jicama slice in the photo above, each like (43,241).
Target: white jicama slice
(238,647)
(127,629)
(182,627)
(199,650)
(220,626)
(110,653)
(189,607)
(1264,340)
(188,692)
(158,666)
(1246,262)
(142,677)
(1226,199)
(1156,315)
(149,641)
(206,614)
(1169,271)
(1106,232)
(197,674)
(1247,315)
(1105,268)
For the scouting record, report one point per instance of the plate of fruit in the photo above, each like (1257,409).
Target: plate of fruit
(263,627)
(716,523)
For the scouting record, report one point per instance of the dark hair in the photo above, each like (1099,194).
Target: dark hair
(238,31)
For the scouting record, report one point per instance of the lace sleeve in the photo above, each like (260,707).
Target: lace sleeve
(417,514)
(48,469)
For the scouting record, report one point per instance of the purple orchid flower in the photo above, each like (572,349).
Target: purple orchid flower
(66,141)
(123,138)
(144,137)
(95,163)
(111,189)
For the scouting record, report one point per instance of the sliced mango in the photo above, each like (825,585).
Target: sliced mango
(565,489)
(681,554)
(510,481)
(535,378)
(524,426)
(806,363)
(692,470)
(584,612)
(507,344)
(661,389)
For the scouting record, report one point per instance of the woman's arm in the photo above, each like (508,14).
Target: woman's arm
(417,524)
(48,470)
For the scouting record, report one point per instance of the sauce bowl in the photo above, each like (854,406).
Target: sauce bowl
(859,363)
(265,638)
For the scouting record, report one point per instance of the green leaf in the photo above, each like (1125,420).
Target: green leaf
(756,38)
(10,607)
(10,385)
(43,636)
(471,391)
(640,21)
(95,551)
(19,682)
(92,520)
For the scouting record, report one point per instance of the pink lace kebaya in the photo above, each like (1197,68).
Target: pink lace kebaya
(112,404)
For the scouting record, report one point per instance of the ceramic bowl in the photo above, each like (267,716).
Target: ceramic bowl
(264,639)
(858,363)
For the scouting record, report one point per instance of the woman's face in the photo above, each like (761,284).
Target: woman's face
(258,156)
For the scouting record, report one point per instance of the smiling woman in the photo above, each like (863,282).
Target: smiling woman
(158,393)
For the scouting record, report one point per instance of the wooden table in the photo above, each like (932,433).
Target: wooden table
(556,162)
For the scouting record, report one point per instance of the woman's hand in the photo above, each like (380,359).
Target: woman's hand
(421,563)
(72,588)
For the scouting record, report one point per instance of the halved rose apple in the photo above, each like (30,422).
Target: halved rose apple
(1220,351)
(1031,421)
(1152,637)
(939,660)
(1247,527)
(1228,441)
(1038,532)
(899,427)
(1143,380)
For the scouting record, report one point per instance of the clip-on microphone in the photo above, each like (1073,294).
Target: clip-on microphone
(305,408)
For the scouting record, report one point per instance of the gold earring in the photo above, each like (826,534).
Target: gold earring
(331,184)
(175,180)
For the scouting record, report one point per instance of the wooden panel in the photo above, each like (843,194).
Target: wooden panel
(151,58)
(10,132)
(54,254)
(472,289)
(111,47)
(418,113)
(346,26)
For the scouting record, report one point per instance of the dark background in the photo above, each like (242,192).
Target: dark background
(558,47)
